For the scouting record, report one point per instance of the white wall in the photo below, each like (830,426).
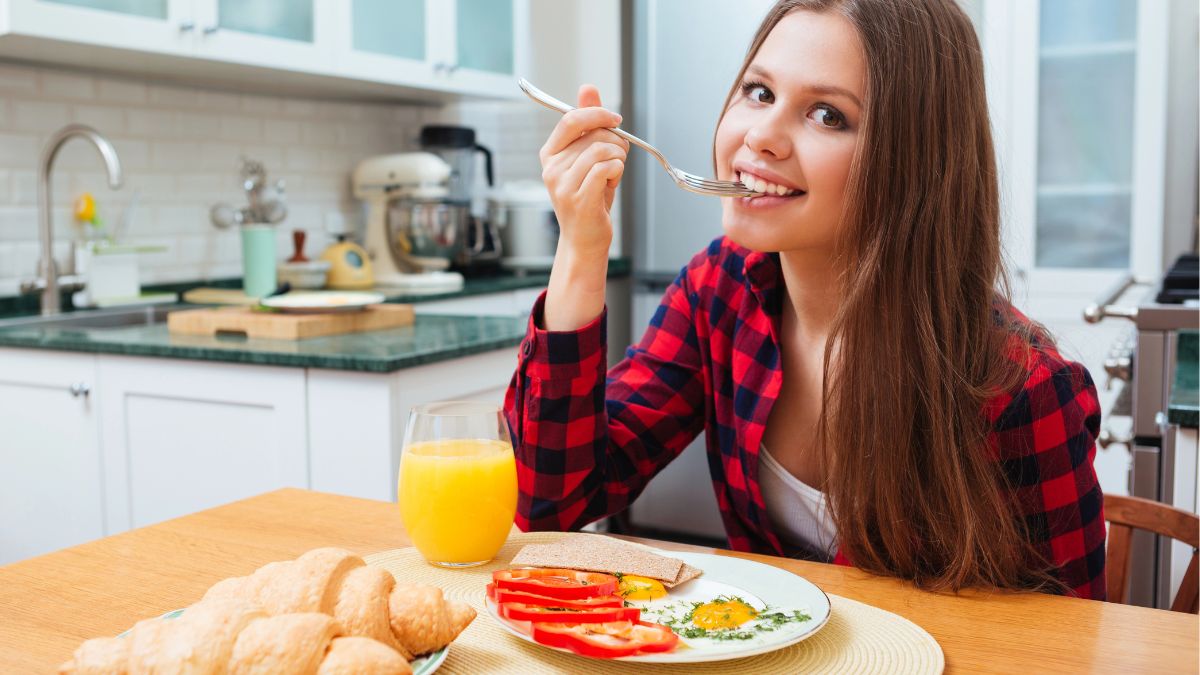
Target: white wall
(180,147)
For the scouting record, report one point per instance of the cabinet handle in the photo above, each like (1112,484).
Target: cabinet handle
(439,67)
(209,30)
(187,26)
(452,68)
(80,390)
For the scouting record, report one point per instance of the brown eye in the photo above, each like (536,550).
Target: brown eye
(828,117)
(757,92)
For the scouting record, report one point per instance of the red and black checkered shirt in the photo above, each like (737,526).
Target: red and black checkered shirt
(586,444)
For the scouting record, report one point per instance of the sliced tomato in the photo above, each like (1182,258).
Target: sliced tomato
(518,611)
(606,640)
(500,596)
(556,583)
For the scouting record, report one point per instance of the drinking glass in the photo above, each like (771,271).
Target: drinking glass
(458,482)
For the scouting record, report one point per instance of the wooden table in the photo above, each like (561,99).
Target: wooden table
(51,603)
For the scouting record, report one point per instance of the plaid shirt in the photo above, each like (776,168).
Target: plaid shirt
(587,445)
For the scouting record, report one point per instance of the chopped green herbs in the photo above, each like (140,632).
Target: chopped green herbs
(766,621)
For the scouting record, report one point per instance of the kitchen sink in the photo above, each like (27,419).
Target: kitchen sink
(95,319)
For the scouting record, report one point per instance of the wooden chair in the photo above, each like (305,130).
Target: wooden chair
(1126,513)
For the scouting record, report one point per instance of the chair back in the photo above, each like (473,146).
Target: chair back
(1126,513)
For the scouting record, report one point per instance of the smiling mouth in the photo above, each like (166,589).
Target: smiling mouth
(765,188)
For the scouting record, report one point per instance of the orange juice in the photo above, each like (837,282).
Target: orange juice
(458,498)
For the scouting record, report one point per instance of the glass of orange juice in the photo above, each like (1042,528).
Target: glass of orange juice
(458,482)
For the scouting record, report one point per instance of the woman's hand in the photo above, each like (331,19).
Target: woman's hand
(582,164)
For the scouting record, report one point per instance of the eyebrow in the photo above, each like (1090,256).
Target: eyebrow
(759,71)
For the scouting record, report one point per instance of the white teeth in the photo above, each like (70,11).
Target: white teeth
(758,185)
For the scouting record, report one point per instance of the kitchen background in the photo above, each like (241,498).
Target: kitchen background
(180,146)
(1094,107)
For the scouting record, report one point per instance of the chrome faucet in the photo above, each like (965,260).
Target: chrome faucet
(48,279)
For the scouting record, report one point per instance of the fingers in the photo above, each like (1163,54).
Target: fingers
(589,96)
(574,178)
(587,117)
(603,176)
(575,124)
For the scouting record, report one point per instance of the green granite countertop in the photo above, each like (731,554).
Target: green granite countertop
(430,339)
(1183,408)
(27,305)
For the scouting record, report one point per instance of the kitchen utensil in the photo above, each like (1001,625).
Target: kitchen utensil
(265,203)
(685,180)
(311,274)
(349,266)
(426,233)
(457,147)
(282,326)
(314,302)
(218,296)
(298,247)
(258,259)
(524,215)
(412,227)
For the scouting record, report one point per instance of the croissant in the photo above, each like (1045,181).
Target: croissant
(228,636)
(249,624)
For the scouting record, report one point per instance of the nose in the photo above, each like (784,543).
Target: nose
(769,136)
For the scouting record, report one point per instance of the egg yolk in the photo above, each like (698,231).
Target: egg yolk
(634,587)
(723,614)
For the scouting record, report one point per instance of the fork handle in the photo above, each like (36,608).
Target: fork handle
(554,104)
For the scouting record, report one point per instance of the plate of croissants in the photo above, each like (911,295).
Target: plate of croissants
(326,612)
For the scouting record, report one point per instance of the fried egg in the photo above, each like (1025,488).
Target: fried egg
(716,617)
(634,587)
(722,614)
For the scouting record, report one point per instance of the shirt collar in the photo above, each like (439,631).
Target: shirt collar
(763,274)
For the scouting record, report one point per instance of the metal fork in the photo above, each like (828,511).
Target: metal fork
(685,180)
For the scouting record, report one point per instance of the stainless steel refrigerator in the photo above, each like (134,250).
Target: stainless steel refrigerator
(679,66)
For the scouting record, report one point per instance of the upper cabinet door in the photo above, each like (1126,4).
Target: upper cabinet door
(386,41)
(483,31)
(1079,96)
(488,43)
(159,26)
(285,34)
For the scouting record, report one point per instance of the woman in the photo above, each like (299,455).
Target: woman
(868,392)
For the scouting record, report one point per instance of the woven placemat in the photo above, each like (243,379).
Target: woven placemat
(858,638)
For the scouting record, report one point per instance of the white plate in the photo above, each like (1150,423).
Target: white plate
(425,665)
(322,301)
(756,583)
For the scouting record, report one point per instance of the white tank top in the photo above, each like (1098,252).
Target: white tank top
(799,512)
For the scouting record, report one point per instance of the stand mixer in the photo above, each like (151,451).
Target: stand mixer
(413,231)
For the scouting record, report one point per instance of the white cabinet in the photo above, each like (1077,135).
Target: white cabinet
(356,420)
(293,35)
(470,47)
(180,436)
(1079,100)
(443,47)
(51,492)
(151,26)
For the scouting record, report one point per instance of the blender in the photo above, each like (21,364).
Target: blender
(457,147)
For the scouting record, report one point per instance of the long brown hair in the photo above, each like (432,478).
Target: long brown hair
(914,489)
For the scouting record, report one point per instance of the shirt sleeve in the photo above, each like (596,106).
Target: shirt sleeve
(587,443)
(1047,442)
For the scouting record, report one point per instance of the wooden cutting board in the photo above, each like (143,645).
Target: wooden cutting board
(218,296)
(280,326)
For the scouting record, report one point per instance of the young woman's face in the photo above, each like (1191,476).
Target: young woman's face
(793,125)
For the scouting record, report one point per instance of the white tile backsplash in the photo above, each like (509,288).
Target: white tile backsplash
(180,148)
